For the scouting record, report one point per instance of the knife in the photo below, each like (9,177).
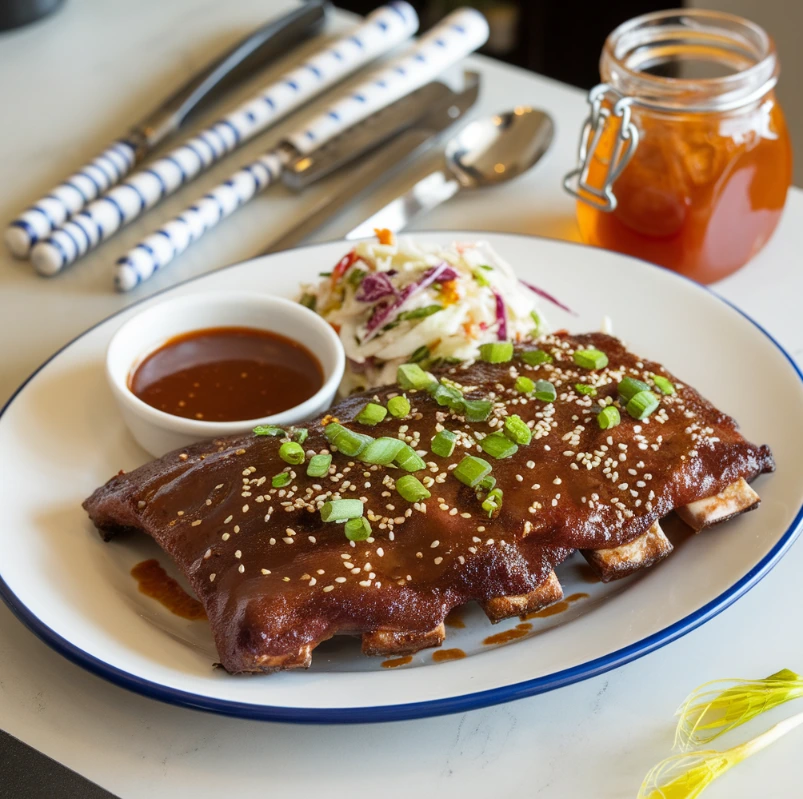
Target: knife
(408,129)
(260,47)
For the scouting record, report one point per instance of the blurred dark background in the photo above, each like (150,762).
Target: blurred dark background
(562,40)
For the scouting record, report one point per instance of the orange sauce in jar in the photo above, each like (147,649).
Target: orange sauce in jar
(687,97)
(702,193)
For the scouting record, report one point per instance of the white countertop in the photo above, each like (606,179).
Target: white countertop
(70,84)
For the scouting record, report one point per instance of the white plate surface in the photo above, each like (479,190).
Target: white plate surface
(61,436)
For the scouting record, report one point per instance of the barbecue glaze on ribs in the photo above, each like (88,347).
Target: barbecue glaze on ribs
(276,580)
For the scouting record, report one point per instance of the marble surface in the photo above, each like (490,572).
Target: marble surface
(82,76)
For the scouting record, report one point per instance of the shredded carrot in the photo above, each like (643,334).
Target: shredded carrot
(468,329)
(449,293)
(384,235)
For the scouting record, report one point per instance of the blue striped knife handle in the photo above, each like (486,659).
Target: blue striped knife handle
(70,197)
(458,35)
(382,30)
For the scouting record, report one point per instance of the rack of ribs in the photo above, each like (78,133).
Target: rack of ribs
(276,579)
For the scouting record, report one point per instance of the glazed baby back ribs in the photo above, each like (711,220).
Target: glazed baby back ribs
(276,579)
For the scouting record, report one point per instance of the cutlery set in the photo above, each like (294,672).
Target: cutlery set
(378,127)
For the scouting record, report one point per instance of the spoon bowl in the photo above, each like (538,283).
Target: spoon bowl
(499,148)
(485,153)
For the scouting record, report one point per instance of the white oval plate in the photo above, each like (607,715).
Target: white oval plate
(61,436)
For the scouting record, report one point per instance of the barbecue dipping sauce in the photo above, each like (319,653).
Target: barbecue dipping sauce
(227,374)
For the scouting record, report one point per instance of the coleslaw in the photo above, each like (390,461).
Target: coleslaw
(394,302)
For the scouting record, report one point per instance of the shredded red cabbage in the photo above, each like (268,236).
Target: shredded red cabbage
(546,296)
(501,317)
(387,312)
(375,286)
(360,368)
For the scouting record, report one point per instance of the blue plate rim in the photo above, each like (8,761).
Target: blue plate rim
(410,710)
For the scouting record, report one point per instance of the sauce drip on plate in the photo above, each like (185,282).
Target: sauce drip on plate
(155,582)
(558,607)
(442,655)
(227,374)
(394,663)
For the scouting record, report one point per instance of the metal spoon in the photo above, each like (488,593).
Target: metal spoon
(484,153)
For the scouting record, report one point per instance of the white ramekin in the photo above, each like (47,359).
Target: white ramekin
(159,432)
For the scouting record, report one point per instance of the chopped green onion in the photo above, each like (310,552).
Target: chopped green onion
(411,488)
(584,388)
(517,431)
(348,442)
(498,446)
(663,385)
(318,465)
(443,443)
(338,510)
(358,529)
(492,502)
(486,267)
(481,279)
(399,407)
(471,470)
(487,483)
(628,388)
(476,410)
(641,405)
(280,480)
(382,451)
(411,376)
(300,434)
(409,460)
(420,354)
(591,359)
(524,385)
(372,414)
(536,357)
(309,301)
(545,391)
(608,417)
(496,352)
(447,395)
(292,452)
(419,313)
(537,320)
(355,277)
(269,430)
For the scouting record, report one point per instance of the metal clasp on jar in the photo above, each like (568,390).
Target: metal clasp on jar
(601,115)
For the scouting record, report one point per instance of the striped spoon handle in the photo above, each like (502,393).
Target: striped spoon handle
(53,210)
(458,35)
(381,31)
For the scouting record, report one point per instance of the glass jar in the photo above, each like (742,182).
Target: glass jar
(685,158)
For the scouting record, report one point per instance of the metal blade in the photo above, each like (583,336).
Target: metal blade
(434,189)
(383,163)
(416,110)
(261,46)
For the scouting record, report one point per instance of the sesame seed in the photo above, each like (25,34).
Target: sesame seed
(238,554)
(241,568)
(225,536)
(196,522)
(438,561)
(287,540)
(434,544)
